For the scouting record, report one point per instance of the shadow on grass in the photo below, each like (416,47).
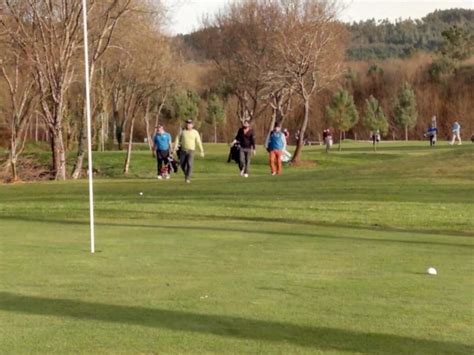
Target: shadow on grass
(322,338)
(377,228)
(302,222)
(275,232)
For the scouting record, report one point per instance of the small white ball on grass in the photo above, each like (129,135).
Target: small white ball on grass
(141,193)
(432,271)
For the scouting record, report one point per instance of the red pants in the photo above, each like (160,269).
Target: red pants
(275,161)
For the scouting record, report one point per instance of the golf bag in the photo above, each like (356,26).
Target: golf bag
(234,153)
(286,156)
(172,165)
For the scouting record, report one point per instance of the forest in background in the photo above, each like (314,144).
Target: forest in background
(383,39)
(289,61)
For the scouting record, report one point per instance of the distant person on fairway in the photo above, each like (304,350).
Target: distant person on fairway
(161,150)
(186,145)
(275,145)
(327,139)
(375,137)
(246,139)
(431,134)
(456,133)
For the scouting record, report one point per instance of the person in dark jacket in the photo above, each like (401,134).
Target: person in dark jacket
(246,140)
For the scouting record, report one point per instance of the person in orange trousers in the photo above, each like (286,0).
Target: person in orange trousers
(276,143)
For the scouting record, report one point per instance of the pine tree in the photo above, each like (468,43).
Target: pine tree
(342,112)
(186,105)
(374,119)
(215,113)
(405,109)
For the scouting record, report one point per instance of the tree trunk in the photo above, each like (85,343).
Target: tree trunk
(147,125)
(215,132)
(149,139)
(59,154)
(14,170)
(340,140)
(160,108)
(77,169)
(101,143)
(406,133)
(36,128)
(272,122)
(129,149)
(304,125)
(13,159)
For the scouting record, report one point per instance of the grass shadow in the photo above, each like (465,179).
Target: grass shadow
(322,338)
(242,230)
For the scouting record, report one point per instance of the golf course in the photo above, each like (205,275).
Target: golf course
(330,257)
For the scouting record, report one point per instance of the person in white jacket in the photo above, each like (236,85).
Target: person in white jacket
(456,133)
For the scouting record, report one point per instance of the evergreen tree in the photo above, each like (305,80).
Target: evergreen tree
(215,113)
(458,43)
(186,105)
(405,109)
(342,112)
(374,118)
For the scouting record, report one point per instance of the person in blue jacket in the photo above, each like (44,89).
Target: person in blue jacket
(276,144)
(161,150)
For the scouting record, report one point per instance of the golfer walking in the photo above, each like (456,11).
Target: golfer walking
(276,144)
(456,133)
(186,145)
(246,140)
(161,150)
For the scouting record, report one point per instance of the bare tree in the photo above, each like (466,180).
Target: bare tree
(239,42)
(104,23)
(22,100)
(312,50)
(49,35)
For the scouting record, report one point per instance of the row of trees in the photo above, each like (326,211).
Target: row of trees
(343,115)
(260,60)
(131,71)
(274,55)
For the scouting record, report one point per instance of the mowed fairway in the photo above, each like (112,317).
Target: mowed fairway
(329,258)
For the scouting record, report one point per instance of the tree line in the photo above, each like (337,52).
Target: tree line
(264,61)
(383,39)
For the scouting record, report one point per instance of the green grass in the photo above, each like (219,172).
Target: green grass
(324,259)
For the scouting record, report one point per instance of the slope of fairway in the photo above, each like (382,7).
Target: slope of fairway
(327,258)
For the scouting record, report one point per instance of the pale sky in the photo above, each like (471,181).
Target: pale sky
(186,15)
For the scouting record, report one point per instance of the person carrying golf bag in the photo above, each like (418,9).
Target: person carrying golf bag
(161,150)
(245,139)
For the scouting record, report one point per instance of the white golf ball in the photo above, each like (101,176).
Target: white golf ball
(141,193)
(432,271)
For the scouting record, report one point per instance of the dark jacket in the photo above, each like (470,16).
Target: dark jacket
(246,141)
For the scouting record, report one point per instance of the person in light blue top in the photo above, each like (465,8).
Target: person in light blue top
(276,144)
(456,133)
(161,150)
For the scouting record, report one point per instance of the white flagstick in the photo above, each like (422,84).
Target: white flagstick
(89,128)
